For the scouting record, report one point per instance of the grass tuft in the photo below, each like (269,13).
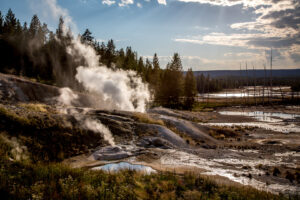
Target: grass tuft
(36,107)
(145,118)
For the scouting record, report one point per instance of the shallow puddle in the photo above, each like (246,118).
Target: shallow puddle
(275,121)
(290,128)
(125,166)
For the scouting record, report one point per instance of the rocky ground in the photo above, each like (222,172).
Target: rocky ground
(232,146)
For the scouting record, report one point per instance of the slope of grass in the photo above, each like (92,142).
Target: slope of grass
(46,135)
(28,180)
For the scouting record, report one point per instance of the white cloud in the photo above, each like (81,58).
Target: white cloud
(282,4)
(162,2)
(108,2)
(269,29)
(125,3)
(139,5)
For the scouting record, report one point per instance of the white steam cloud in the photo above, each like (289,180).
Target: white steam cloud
(67,98)
(97,127)
(120,89)
(116,89)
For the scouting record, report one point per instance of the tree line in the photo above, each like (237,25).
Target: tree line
(34,51)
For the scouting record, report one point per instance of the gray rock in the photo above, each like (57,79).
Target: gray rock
(111,153)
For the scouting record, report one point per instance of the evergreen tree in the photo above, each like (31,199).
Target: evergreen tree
(140,65)
(155,76)
(35,26)
(87,37)
(190,89)
(148,69)
(172,83)
(60,29)
(109,54)
(120,58)
(18,28)
(10,23)
(25,28)
(1,23)
(129,62)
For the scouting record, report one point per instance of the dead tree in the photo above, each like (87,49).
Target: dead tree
(271,85)
(254,78)
(264,84)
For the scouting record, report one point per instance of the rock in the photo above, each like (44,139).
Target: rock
(111,153)
(151,142)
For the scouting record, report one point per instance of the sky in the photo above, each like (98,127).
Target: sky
(208,34)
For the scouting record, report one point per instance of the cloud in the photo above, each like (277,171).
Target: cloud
(234,40)
(277,25)
(125,3)
(108,2)
(163,2)
(245,3)
(139,5)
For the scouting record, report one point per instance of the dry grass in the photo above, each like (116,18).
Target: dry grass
(37,107)
(9,114)
(145,118)
(223,132)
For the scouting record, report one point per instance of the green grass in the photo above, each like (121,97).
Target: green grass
(45,135)
(57,181)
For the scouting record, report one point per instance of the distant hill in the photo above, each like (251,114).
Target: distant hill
(259,73)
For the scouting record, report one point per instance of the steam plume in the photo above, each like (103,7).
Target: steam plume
(66,98)
(116,89)
(97,127)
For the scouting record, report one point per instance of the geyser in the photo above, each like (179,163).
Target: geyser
(66,99)
(114,88)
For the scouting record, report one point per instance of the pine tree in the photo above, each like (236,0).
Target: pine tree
(110,53)
(190,89)
(172,83)
(155,78)
(140,65)
(43,33)
(10,23)
(148,70)
(35,26)
(87,37)
(60,29)
(1,23)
